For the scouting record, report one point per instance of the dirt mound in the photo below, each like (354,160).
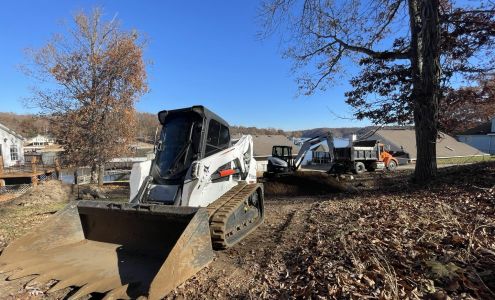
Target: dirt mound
(303,184)
(52,191)
(31,208)
(110,192)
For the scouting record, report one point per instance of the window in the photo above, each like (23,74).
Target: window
(213,133)
(224,139)
(14,153)
(218,137)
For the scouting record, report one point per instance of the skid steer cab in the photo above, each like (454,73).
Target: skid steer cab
(199,193)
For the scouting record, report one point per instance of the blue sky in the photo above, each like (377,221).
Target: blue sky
(203,52)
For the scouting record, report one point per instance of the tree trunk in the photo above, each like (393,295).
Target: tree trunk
(101,174)
(94,173)
(75,176)
(425,63)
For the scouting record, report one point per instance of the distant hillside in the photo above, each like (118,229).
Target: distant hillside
(337,132)
(146,127)
(239,130)
(30,125)
(26,125)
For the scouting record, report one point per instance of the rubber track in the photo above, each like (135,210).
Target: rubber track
(214,206)
(221,209)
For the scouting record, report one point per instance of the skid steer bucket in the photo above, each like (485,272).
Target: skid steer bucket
(123,250)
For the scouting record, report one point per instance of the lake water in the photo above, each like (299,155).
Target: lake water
(67,175)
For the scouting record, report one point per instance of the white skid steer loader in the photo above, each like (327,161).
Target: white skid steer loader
(199,193)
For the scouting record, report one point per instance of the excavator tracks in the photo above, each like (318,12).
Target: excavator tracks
(235,214)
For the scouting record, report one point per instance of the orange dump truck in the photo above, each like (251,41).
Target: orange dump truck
(363,155)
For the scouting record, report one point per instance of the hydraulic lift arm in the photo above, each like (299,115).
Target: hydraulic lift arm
(310,143)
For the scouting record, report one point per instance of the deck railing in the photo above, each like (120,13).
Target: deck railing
(35,165)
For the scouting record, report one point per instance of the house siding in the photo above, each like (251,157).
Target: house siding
(261,165)
(484,143)
(8,139)
(482,140)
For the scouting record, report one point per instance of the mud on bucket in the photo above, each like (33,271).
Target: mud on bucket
(123,250)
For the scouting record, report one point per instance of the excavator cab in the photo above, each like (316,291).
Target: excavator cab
(281,161)
(283,152)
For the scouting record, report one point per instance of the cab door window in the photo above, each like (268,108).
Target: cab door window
(218,138)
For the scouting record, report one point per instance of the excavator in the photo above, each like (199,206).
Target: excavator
(283,163)
(199,193)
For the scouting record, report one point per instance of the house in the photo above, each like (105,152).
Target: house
(321,155)
(403,142)
(481,137)
(11,147)
(262,149)
(40,140)
(37,143)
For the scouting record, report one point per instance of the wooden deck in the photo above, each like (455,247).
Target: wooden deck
(31,170)
(25,174)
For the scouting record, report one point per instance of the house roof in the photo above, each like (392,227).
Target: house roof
(53,148)
(5,128)
(405,140)
(321,148)
(262,144)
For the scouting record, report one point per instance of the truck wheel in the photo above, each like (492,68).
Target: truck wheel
(359,168)
(392,165)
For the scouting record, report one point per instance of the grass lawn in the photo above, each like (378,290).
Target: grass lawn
(465,160)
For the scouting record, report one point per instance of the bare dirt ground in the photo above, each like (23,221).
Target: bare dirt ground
(390,240)
(375,237)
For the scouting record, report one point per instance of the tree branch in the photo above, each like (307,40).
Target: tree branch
(390,17)
(321,49)
(375,54)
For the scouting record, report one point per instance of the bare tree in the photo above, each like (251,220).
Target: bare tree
(88,80)
(401,46)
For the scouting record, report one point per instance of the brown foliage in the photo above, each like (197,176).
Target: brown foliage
(95,74)
(468,107)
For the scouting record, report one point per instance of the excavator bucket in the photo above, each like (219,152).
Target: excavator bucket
(123,250)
